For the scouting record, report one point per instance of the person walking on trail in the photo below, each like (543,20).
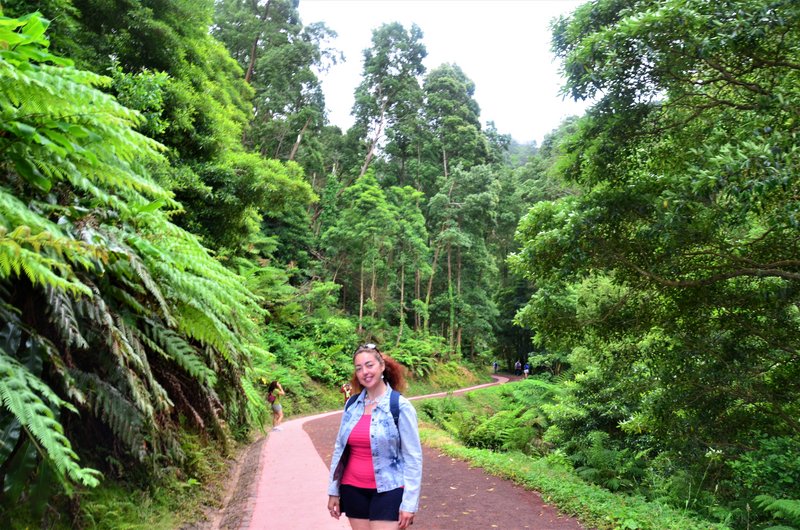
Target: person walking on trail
(347,390)
(376,468)
(495,366)
(517,368)
(526,370)
(274,393)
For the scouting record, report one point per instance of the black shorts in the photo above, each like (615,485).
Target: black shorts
(364,503)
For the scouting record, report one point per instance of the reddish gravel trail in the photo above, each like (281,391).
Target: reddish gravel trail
(456,496)
(282,483)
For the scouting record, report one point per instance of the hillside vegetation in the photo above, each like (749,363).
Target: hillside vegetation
(179,226)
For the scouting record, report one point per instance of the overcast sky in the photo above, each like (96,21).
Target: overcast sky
(502,45)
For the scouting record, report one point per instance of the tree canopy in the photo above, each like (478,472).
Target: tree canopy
(180,225)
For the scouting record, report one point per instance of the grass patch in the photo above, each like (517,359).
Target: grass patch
(592,505)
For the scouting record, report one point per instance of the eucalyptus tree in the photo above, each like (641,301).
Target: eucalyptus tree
(360,241)
(281,57)
(389,95)
(453,116)
(462,217)
(109,310)
(678,262)
(409,250)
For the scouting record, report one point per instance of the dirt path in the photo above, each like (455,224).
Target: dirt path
(275,491)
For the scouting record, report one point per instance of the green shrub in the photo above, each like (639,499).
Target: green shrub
(781,510)
(615,469)
(773,468)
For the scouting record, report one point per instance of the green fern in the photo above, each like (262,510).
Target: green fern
(122,417)
(786,509)
(21,393)
(62,315)
(172,346)
(143,323)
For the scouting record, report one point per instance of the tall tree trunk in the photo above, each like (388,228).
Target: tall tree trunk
(427,315)
(444,162)
(458,294)
(373,294)
(403,168)
(402,301)
(296,145)
(417,183)
(451,331)
(254,49)
(417,296)
(374,141)
(361,299)
(277,154)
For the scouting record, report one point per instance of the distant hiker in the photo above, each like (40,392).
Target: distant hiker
(347,390)
(380,478)
(274,393)
(526,370)
(495,366)
(517,368)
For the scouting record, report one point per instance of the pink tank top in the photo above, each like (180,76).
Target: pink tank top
(359,471)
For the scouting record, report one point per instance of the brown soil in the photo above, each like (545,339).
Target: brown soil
(456,496)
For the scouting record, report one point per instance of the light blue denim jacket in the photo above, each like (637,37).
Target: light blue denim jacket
(397,460)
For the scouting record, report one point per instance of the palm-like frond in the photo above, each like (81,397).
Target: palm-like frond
(134,321)
(62,314)
(171,345)
(26,396)
(122,417)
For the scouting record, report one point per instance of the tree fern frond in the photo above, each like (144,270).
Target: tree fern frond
(136,388)
(16,260)
(20,393)
(255,406)
(123,418)
(159,395)
(63,318)
(144,275)
(129,366)
(59,126)
(787,509)
(126,299)
(172,346)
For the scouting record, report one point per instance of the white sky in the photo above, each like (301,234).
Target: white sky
(502,45)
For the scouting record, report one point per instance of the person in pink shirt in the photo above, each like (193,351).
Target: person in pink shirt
(376,469)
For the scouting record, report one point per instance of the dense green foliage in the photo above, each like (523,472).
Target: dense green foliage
(669,279)
(179,226)
(110,311)
(594,506)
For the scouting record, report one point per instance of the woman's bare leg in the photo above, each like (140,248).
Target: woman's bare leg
(383,525)
(359,524)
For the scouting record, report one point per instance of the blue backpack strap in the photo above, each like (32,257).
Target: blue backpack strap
(394,406)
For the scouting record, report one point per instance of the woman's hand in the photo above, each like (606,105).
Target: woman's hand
(406,519)
(333,507)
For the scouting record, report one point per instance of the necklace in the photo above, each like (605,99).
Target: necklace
(368,401)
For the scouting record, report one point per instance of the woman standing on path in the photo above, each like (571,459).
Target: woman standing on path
(376,468)
(275,391)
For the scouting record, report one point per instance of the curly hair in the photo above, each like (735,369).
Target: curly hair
(394,373)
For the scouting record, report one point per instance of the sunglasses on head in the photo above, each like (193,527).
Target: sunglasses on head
(368,347)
